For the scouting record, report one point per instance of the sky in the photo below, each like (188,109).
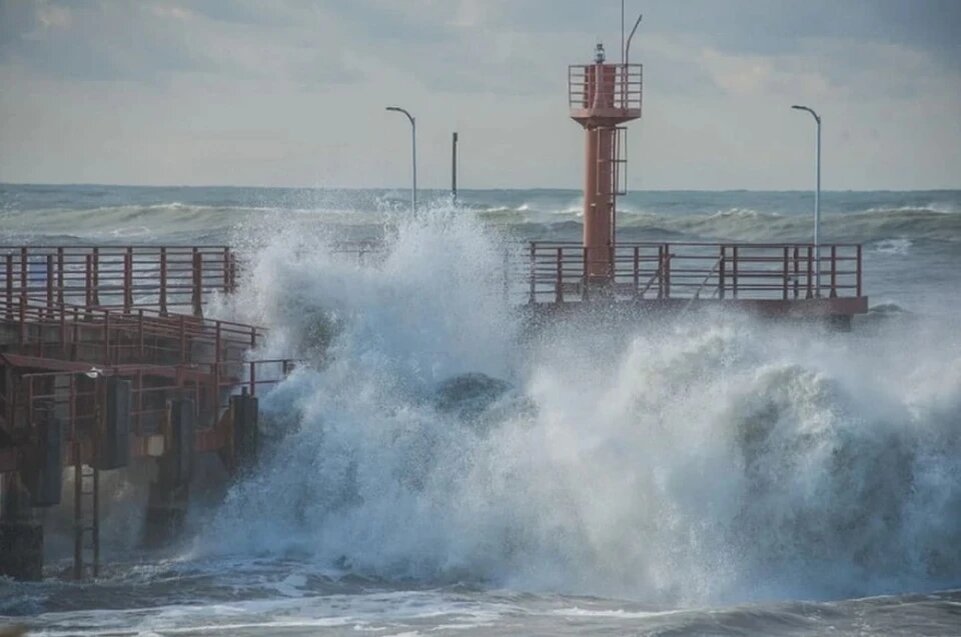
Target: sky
(292,92)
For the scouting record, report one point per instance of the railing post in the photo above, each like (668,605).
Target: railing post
(96,276)
(128,280)
(183,339)
(9,287)
(834,271)
(810,291)
(106,337)
(533,272)
(24,267)
(585,293)
(667,270)
(722,274)
(735,266)
(637,270)
(253,378)
(50,278)
(787,275)
(198,282)
(140,343)
(88,281)
(858,271)
(559,282)
(226,270)
(163,281)
(61,266)
(797,270)
(23,318)
(64,349)
(612,263)
(659,272)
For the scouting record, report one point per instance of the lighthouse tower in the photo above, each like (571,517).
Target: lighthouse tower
(603,97)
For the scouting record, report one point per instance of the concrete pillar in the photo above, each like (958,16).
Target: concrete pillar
(168,497)
(21,537)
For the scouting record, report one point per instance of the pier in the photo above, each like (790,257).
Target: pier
(107,362)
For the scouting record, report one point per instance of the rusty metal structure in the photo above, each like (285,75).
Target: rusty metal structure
(782,279)
(602,98)
(106,361)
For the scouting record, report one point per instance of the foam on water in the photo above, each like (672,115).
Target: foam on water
(705,459)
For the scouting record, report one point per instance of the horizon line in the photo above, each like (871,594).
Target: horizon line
(488,189)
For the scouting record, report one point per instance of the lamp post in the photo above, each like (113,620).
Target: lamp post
(413,146)
(817,201)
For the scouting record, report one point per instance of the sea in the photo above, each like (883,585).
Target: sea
(436,467)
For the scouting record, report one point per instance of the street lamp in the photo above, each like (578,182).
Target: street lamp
(413,145)
(817,201)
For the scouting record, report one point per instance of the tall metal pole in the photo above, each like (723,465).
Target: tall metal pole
(413,146)
(453,169)
(817,200)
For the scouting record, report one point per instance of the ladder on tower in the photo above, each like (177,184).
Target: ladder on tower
(617,161)
(86,511)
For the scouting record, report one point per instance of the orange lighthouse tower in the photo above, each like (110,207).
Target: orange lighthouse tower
(602,98)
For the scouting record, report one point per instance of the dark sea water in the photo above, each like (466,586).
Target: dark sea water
(432,468)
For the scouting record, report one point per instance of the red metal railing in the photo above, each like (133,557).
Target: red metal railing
(620,90)
(162,277)
(558,271)
(105,336)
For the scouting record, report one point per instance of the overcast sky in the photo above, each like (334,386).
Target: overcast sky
(292,92)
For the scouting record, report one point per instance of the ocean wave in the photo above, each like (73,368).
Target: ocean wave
(709,458)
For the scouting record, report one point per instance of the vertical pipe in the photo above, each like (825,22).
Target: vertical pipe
(253,378)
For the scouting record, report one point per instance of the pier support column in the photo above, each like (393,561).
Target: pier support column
(168,497)
(246,436)
(21,537)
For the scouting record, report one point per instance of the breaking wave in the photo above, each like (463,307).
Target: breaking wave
(431,436)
